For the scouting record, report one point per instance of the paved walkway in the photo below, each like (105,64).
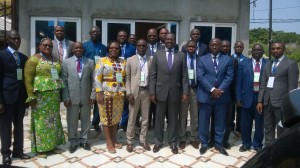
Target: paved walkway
(100,157)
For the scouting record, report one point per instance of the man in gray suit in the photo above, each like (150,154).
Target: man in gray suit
(62,47)
(137,91)
(279,77)
(168,86)
(78,95)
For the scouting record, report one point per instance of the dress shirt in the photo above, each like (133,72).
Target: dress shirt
(64,47)
(144,69)
(167,52)
(189,66)
(82,65)
(279,60)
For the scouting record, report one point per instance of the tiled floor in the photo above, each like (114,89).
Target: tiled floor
(100,157)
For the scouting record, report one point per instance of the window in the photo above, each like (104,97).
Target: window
(42,27)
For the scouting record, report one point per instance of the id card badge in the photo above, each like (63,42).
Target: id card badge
(142,77)
(54,74)
(256,76)
(191,73)
(19,74)
(271,82)
(119,77)
(97,58)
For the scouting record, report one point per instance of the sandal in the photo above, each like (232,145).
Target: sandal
(112,150)
(118,145)
(57,151)
(42,155)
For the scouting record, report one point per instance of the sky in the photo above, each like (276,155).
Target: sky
(286,15)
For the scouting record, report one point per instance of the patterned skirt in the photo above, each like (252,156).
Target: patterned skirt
(46,127)
(111,111)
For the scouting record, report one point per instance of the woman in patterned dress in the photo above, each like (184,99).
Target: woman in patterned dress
(110,88)
(43,86)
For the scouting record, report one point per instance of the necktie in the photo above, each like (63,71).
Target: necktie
(16,56)
(78,67)
(123,50)
(152,50)
(170,59)
(60,51)
(216,66)
(256,83)
(275,64)
(257,67)
(192,68)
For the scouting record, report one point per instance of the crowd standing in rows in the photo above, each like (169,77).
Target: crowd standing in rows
(142,82)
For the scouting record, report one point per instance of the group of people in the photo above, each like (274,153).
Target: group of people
(149,81)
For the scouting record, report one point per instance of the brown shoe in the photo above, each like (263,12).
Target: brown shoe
(195,144)
(129,148)
(145,146)
(182,144)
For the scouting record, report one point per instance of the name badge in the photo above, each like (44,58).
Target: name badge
(271,82)
(97,58)
(256,77)
(191,73)
(54,74)
(142,77)
(119,77)
(19,74)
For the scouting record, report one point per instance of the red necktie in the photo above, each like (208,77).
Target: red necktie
(60,51)
(257,67)
(257,70)
(78,67)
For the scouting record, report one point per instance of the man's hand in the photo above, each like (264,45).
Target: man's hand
(92,101)
(216,93)
(153,99)
(67,103)
(1,108)
(259,108)
(185,98)
(100,98)
(239,104)
(130,99)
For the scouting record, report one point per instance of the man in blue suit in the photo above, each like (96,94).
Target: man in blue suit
(248,80)
(214,75)
(127,50)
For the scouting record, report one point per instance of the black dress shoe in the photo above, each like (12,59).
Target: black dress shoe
(6,160)
(257,149)
(129,148)
(22,156)
(203,150)
(182,144)
(156,148)
(226,145)
(96,127)
(221,150)
(145,146)
(174,149)
(195,144)
(244,148)
(73,148)
(211,144)
(85,146)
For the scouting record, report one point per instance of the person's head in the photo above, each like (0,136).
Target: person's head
(225,47)
(195,35)
(45,47)
(141,47)
(113,49)
(59,32)
(215,46)
(13,39)
(170,41)
(77,49)
(191,47)
(162,34)
(95,34)
(122,37)
(277,49)
(238,47)
(132,39)
(152,36)
(257,51)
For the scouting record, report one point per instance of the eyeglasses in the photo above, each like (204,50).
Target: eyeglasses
(47,45)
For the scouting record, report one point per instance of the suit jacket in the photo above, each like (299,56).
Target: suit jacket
(148,51)
(130,50)
(286,79)
(55,53)
(202,49)
(78,90)
(133,74)
(244,85)
(11,89)
(165,83)
(206,76)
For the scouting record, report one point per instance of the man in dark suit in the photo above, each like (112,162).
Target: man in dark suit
(214,74)
(127,50)
(201,48)
(12,98)
(62,47)
(279,77)
(168,86)
(247,88)
(162,37)
(192,105)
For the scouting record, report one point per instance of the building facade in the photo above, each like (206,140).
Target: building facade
(224,19)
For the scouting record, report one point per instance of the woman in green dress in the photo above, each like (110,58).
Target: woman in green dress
(43,86)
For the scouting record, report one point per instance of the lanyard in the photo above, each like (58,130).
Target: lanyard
(46,58)
(142,65)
